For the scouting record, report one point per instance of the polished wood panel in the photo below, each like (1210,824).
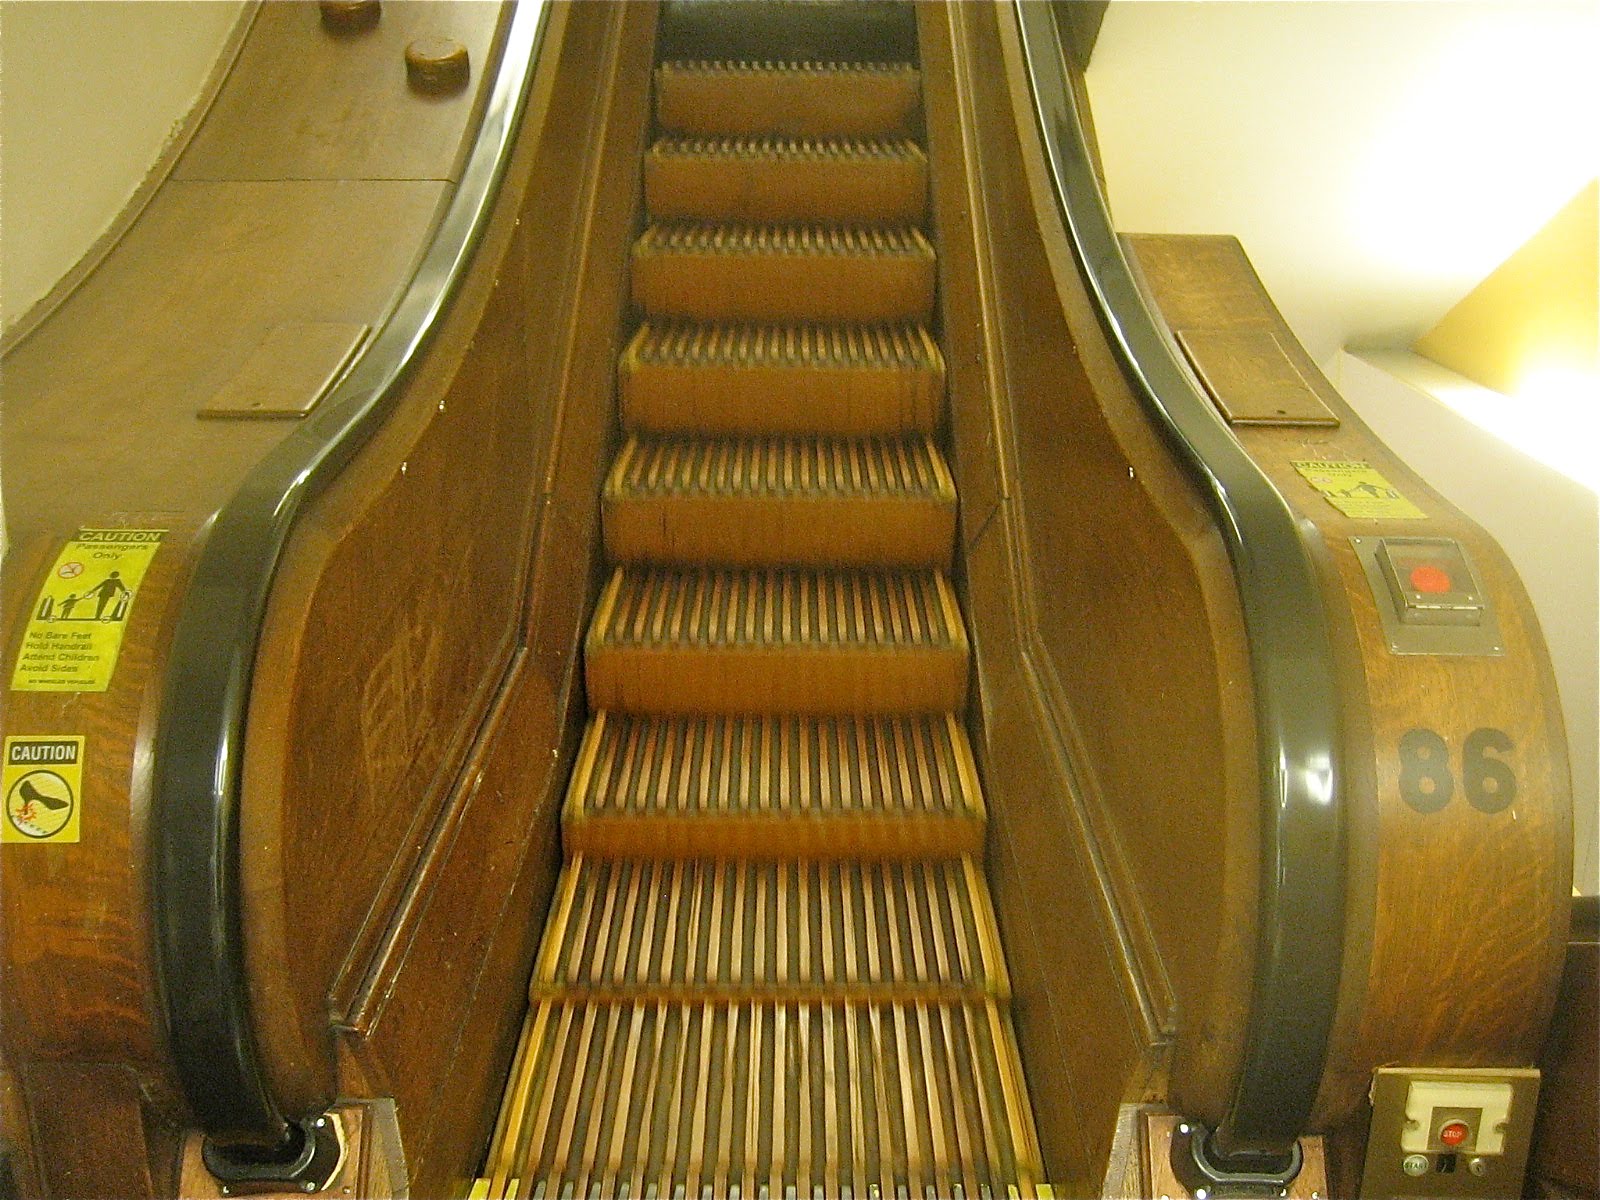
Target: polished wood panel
(308,103)
(423,633)
(1456,909)
(101,404)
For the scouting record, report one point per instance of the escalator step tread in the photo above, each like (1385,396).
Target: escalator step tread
(674,1099)
(800,786)
(726,378)
(784,240)
(793,640)
(796,98)
(773,501)
(786,178)
(718,929)
(721,271)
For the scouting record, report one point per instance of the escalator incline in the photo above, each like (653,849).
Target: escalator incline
(772,968)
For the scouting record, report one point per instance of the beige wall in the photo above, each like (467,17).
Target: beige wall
(1377,158)
(90,94)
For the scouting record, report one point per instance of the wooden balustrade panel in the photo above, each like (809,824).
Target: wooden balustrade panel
(414,716)
(1114,725)
(281,237)
(1456,783)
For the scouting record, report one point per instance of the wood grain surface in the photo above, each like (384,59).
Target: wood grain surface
(102,431)
(1113,716)
(305,103)
(423,636)
(1456,917)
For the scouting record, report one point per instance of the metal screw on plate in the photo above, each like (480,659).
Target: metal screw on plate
(1415,1164)
(1478,1166)
(437,65)
(350,16)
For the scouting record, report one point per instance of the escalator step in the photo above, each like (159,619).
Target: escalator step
(659,929)
(799,99)
(776,641)
(786,179)
(725,272)
(776,501)
(777,1099)
(835,380)
(805,787)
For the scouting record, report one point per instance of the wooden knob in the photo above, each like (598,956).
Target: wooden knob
(437,65)
(350,16)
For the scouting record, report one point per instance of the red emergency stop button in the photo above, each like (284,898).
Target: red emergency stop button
(1431,580)
(1454,1133)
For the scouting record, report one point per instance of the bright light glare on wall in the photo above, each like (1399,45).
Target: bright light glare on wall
(1498,121)
(1553,416)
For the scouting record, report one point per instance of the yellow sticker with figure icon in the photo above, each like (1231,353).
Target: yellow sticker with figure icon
(42,778)
(1357,490)
(75,630)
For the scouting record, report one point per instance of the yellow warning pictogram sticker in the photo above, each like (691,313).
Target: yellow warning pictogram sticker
(75,630)
(1357,490)
(43,784)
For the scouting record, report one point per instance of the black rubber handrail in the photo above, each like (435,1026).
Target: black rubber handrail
(199,739)
(1301,903)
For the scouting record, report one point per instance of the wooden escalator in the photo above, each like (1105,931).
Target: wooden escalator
(772,967)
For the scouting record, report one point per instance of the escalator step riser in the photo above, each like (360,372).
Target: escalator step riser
(624,1098)
(764,786)
(797,99)
(736,930)
(771,502)
(777,641)
(838,381)
(786,179)
(717,272)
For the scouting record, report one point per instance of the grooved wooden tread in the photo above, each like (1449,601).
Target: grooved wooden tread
(658,929)
(800,787)
(732,272)
(776,641)
(776,1099)
(833,380)
(801,99)
(773,178)
(777,501)
(729,239)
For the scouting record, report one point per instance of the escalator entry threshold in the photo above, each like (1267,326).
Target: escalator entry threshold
(771,968)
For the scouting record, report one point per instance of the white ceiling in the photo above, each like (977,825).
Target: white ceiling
(1377,158)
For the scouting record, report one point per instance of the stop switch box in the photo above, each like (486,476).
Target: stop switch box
(1449,1132)
(1429,597)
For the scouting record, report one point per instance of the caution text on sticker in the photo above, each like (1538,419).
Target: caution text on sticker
(75,628)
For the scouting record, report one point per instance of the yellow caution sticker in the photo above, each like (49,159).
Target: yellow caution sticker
(75,631)
(1357,490)
(43,783)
